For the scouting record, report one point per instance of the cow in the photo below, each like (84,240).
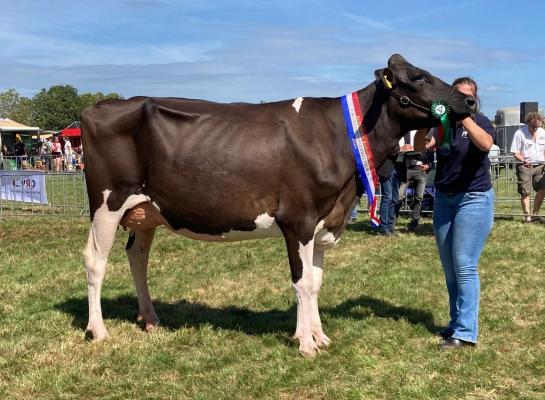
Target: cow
(230,172)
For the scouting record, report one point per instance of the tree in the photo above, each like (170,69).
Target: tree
(8,101)
(56,107)
(90,99)
(23,112)
(16,107)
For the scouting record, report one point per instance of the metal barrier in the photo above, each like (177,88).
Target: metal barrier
(67,194)
(35,192)
(504,183)
(44,162)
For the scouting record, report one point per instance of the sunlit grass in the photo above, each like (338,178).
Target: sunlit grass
(228,313)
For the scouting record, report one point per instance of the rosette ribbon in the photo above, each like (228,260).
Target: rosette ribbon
(440,110)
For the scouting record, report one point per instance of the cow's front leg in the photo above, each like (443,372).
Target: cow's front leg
(138,248)
(322,341)
(300,256)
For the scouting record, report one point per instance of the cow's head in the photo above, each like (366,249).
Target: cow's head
(412,91)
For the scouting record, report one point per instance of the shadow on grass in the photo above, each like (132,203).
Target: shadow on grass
(180,314)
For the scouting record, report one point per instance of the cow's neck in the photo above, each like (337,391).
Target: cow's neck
(384,131)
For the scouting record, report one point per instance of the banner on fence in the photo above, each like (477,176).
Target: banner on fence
(25,186)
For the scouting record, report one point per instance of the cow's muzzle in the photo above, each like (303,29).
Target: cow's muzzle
(471,102)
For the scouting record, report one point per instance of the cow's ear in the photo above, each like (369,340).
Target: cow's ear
(386,76)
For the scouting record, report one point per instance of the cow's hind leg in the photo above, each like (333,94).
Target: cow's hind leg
(322,341)
(300,256)
(138,248)
(99,244)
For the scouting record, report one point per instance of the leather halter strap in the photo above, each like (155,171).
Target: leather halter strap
(405,101)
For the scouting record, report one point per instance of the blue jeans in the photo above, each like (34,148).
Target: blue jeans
(389,190)
(354,213)
(462,223)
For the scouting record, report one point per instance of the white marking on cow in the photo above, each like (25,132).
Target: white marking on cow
(324,239)
(322,341)
(305,308)
(266,227)
(297,104)
(99,243)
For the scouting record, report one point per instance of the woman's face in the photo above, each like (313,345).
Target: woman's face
(467,89)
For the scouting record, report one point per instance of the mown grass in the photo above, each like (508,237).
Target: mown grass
(228,312)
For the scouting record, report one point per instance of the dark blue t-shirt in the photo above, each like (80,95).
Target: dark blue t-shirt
(463,167)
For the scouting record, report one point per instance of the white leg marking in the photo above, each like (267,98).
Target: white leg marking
(303,293)
(138,254)
(323,239)
(322,341)
(297,104)
(99,244)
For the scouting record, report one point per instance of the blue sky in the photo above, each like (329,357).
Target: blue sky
(252,50)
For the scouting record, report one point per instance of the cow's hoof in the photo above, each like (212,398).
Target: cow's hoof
(96,334)
(322,341)
(309,351)
(149,323)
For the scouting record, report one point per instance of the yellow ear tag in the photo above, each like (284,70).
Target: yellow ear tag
(386,82)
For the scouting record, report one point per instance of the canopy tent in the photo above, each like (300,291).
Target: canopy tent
(73,133)
(7,125)
(9,129)
(72,130)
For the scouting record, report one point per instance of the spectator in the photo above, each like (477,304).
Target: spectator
(43,152)
(67,154)
(417,165)
(48,147)
(20,151)
(56,154)
(528,147)
(3,153)
(388,176)
(463,215)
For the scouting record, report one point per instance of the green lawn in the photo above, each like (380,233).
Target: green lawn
(228,311)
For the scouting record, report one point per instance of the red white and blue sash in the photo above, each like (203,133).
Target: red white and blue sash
(362,151)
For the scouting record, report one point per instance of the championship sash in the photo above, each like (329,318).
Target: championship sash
(362,151)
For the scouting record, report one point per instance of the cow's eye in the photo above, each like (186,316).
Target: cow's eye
(418,79)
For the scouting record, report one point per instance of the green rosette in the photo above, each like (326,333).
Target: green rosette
(440,110)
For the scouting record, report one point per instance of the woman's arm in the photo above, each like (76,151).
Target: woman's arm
(478,135)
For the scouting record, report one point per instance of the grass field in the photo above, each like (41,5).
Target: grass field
(228,312)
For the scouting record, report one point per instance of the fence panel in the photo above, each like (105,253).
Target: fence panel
(504,183)
(66,193)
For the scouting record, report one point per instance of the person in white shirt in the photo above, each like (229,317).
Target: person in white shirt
(528,147)
(67,154)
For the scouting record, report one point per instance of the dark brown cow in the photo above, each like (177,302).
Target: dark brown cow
(226,172)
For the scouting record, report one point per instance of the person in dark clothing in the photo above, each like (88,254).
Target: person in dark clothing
(463,215)
(389,178)
(417,162)
(20,151)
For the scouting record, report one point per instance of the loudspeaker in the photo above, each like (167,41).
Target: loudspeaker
(525,108)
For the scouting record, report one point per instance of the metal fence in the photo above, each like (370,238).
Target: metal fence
(504,183)
(34,192)
(66,192)
(43,162)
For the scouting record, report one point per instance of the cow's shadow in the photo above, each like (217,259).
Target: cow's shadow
(281,322)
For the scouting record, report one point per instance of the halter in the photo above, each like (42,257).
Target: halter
(405,101)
